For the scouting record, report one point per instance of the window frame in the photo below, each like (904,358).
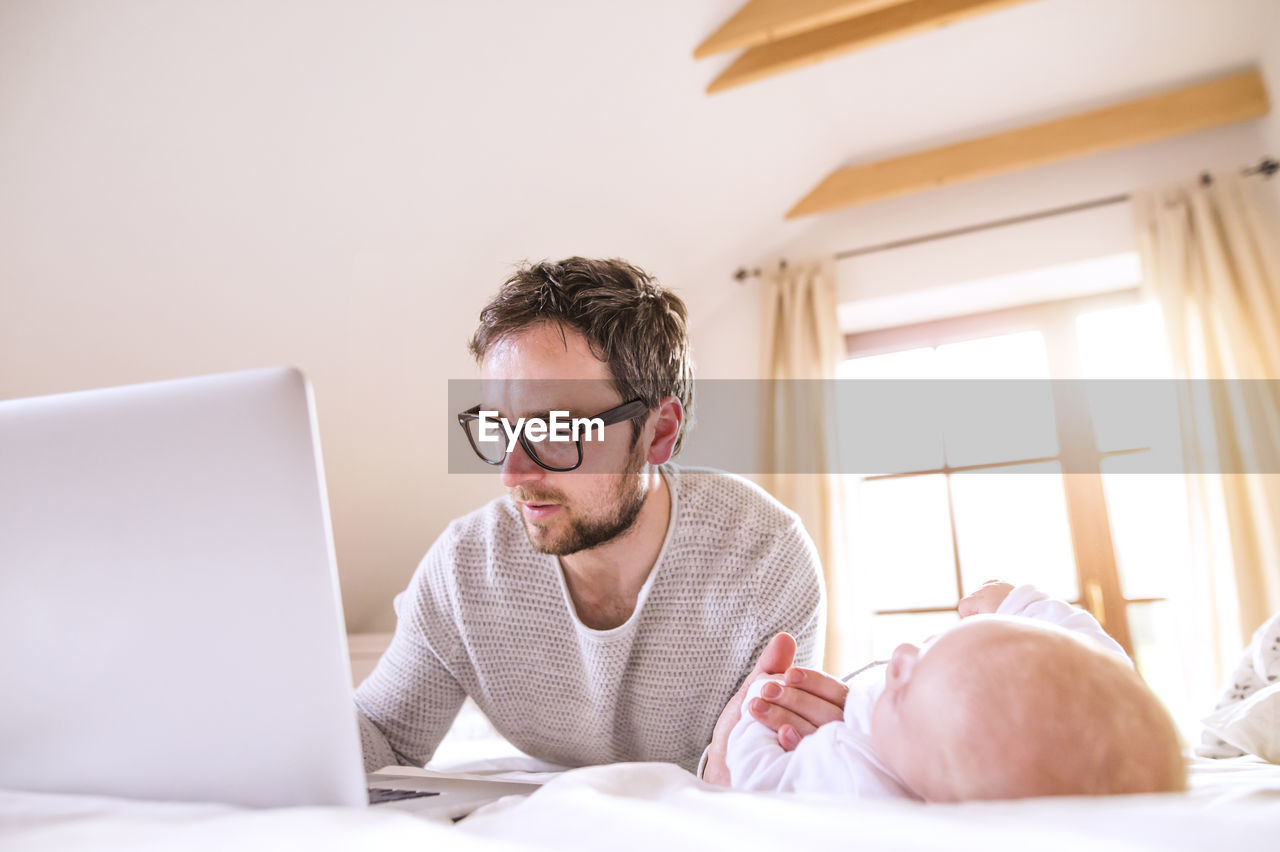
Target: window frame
(1087,518)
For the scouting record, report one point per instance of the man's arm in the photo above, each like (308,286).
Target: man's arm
(790,626)
(407,703)
(375,745)
(806,698)
(775,659)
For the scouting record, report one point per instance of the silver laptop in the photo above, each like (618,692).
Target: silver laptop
(169,604)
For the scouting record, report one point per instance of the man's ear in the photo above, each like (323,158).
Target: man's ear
(901,666)
(666,420)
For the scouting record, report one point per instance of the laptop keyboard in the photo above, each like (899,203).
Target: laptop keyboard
(378,795)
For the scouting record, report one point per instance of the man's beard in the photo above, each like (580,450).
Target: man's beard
(585,533)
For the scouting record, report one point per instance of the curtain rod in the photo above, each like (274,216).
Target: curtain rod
(1266,167)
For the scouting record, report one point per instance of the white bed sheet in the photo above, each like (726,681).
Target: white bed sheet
(1233,804)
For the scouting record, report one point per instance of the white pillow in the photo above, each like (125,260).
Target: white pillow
(1252,724)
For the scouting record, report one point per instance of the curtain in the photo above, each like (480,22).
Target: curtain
(1209,257)
(802,345)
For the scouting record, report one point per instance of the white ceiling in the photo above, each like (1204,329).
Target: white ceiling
(190,186)
(513,129)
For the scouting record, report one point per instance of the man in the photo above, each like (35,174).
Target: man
(607,607)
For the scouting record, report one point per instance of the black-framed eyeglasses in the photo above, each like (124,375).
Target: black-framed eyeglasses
(554,455)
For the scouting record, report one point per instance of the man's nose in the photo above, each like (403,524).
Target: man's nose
(518,468)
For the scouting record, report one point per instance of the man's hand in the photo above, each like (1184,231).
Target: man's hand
(777,657)
(986,600)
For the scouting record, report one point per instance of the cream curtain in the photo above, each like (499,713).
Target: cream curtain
(802,346)
(1209,256)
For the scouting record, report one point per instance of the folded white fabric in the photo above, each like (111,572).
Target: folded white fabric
(1257,674)
(1251,725)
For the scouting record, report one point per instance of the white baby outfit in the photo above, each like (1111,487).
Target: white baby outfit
(838,757)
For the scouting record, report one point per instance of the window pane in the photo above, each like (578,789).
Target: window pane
(1129,343)
(1124,343)
(1148,514)
(889,422)
(890,631)
(992,421)
(1012,526)
(1008,356)
(907,364)
(1154,630)
(900,543)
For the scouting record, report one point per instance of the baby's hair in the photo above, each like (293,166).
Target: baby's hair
(1069,719)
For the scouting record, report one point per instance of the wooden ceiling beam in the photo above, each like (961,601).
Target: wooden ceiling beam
(1228,99)
(807,48)
(762,21)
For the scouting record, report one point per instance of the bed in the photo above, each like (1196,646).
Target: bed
(1233,804)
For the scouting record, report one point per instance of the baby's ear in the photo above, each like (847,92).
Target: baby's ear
(901,665)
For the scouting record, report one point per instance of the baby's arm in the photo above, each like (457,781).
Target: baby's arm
(829,760)
(1027,601)
(754,758)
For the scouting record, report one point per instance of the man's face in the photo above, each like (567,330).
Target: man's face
(541,369)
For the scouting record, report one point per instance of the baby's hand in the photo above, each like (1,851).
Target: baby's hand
(986,600)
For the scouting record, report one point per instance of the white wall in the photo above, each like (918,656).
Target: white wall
(190,187)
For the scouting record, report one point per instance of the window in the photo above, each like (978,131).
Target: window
(989,500)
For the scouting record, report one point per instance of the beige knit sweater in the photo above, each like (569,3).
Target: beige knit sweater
(486,615)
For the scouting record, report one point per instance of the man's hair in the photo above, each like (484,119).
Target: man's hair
(632,323)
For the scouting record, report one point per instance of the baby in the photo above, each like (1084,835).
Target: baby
(1033,700)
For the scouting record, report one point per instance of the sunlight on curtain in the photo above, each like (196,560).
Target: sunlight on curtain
(802,345)
(1209,257)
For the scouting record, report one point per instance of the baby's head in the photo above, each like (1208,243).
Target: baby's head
(1002,708)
